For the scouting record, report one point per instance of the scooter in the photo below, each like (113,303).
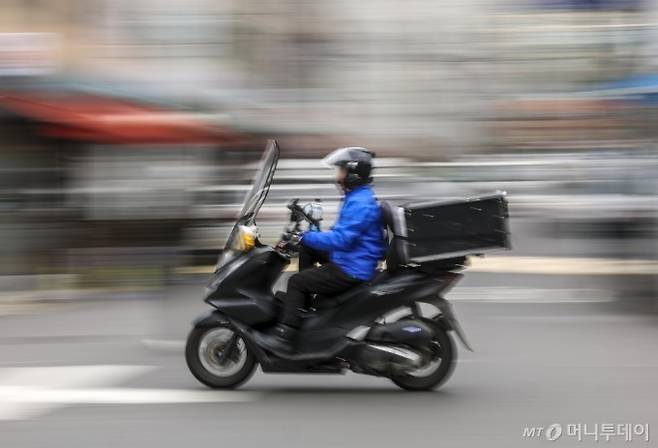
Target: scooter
(398,325)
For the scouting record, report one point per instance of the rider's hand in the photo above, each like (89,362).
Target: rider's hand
(290,241)
(296,238)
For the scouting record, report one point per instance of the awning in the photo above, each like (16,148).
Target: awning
(101,119)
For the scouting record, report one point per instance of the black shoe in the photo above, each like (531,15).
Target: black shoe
(279,339)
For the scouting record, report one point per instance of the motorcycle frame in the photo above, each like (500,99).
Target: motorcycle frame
(241,295)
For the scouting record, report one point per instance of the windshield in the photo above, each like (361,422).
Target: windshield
(261,186)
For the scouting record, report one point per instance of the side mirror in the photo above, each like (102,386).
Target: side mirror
(314,210)
(310,212)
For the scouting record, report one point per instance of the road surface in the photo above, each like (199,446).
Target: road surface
(111,373)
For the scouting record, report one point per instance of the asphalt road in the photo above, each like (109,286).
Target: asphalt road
(111,373)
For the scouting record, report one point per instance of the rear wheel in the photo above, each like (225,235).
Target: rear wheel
(437,370)
(218,357)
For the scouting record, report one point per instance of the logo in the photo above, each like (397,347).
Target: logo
(411,329)
(596,431)
(553,432)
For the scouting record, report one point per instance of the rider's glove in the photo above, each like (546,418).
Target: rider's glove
(290,241)
(296,238)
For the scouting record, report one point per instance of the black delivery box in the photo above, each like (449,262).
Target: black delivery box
(452,228)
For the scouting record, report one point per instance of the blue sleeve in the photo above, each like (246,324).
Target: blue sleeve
(355,218)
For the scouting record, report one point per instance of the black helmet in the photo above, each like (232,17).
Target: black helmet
(356,160)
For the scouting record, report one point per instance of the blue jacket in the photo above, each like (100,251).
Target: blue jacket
(356,242)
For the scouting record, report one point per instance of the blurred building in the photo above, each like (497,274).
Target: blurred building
(127,123)
(421,76)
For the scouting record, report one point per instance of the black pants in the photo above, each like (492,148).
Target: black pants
(308,257)
(327,279)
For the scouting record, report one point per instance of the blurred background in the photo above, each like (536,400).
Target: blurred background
(131,131)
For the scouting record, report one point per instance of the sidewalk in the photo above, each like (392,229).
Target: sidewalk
(525,265)
(566,267)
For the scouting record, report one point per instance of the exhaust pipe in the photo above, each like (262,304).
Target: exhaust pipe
(400,355)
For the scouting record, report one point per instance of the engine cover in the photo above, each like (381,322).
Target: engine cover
(385,359)
(407,332)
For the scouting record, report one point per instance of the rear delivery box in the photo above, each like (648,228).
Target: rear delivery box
(453,228)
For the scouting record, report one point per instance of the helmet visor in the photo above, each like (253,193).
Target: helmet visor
(343,155)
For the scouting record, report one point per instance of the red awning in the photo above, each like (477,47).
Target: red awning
(108,120)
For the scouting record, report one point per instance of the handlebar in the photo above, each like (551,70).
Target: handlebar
(297,214)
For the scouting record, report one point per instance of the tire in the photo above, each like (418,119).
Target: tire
(417,381)
(201,353)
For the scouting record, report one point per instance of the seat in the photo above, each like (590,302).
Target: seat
(397,253)
(323,302)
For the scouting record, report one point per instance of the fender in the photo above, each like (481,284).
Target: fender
(447,319)
(216,317)
(210,319)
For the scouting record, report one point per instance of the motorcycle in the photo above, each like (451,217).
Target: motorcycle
(398,325)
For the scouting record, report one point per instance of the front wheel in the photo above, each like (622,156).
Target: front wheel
(437,371)
(218,357)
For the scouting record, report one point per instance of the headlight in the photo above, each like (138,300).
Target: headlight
(245,239)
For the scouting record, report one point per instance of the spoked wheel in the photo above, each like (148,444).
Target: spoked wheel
(218,357)
(436,371)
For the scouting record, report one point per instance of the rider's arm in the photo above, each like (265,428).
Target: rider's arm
(354,220)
